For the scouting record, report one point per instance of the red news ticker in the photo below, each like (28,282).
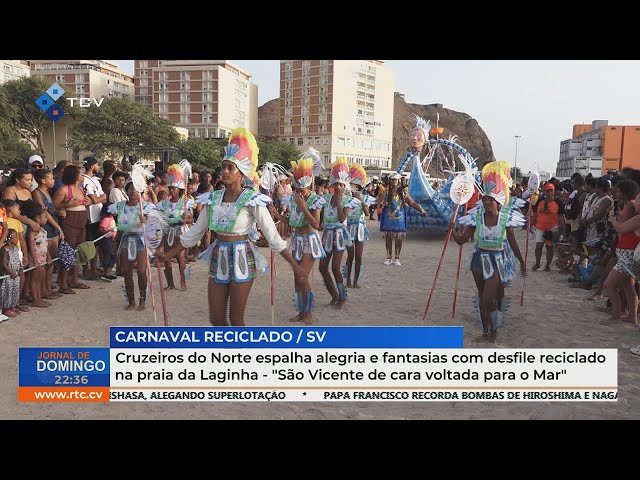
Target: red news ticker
(63,394)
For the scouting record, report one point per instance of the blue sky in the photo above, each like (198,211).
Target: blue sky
(540,100)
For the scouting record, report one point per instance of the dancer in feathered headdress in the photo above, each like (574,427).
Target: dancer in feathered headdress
(491,223)
(304,219)
(177,211)
(335,237)
(356,223)
(233,214)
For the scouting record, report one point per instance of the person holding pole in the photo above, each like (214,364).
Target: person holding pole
(232,214)
(491,224)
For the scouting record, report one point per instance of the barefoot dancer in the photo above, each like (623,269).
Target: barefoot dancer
(304,218)
(174,210)
(335,237)
(492,262)
(356,222)
(232,213)
(130,224)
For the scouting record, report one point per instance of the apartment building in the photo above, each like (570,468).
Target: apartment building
(597,147)
(207,97)
(13,70)
(339,107)
(85,78)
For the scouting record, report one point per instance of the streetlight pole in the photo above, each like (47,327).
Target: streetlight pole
(515,163)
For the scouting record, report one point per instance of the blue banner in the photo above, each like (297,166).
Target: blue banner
(286,337)
(63,367)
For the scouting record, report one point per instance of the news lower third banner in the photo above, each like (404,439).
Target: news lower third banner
(310,364)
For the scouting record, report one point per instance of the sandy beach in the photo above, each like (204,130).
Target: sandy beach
(553,316)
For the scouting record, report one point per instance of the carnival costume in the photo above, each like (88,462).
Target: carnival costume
(335,237)
(236,261)
(356,223)
(309,242)
(492,252)
(173,212)
(130,225)
(394,215)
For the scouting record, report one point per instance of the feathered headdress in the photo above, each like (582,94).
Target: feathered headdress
(175,176)
(242,151)
(422,124)
(302,171)
(339,171)
(496,181)
(358,174)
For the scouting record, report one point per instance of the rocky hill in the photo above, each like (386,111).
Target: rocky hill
(470,134)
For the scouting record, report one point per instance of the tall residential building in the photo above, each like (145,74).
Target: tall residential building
(207,97)
(339,107)
(85,78)
(599,147)
(13,70)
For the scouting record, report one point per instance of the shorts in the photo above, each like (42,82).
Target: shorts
(232,262)
(335,238)
(540,233)
(626,264)
(51,231)
(302,243)
(133,244)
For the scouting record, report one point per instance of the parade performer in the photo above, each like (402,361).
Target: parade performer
(492,224)
(304,219)
(394,217)
(335,236)
(232,214)
(177,210)
(357,224)
(132,247)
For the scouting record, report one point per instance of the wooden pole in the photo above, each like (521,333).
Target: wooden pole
(444,250)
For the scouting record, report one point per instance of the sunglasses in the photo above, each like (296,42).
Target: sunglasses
(37,165)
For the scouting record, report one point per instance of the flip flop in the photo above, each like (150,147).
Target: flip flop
(67,291)
(80,286)
(635,350)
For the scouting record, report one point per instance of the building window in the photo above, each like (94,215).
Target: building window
(300,142)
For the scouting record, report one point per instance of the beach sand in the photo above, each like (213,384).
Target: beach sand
(553,316)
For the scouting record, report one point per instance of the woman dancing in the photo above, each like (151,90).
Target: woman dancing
(177,210)
(335,237)
(304,219)
(232,214)
(492,262)
(356,222)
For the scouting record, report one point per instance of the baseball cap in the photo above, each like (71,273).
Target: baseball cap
(35,158)
(88,161)
(549,186)
(375,177)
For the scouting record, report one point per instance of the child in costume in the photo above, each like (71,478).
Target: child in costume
(177,210)
(232,214)
(304,219)
(335,236)
(132,247)
(356,222)
(491,223)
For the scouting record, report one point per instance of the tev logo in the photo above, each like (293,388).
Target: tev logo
(47,100)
